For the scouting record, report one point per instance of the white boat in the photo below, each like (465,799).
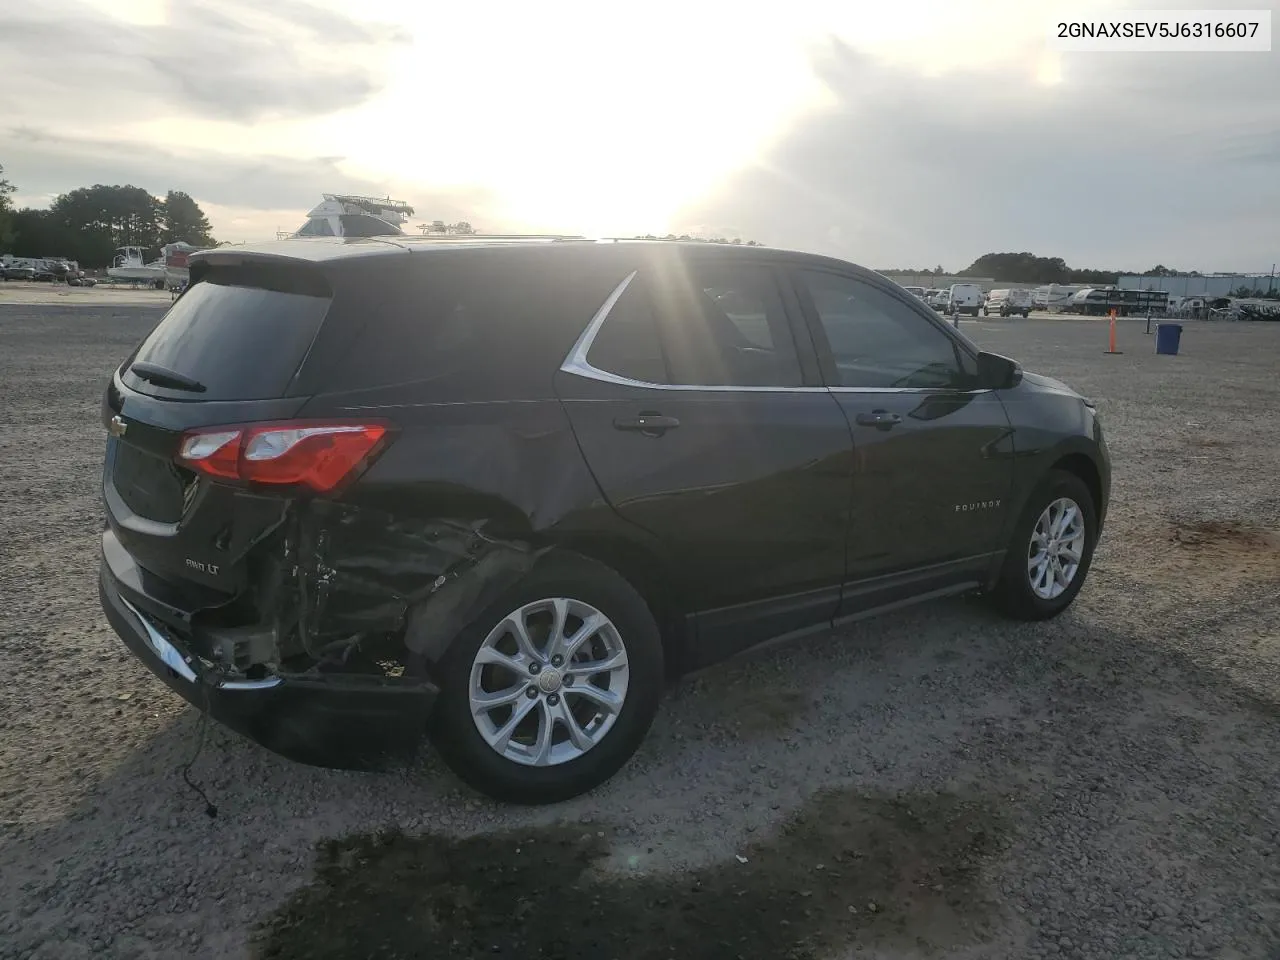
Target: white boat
(129,264)
(345,215)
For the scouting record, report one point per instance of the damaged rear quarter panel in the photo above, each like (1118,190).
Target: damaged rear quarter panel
(456,510)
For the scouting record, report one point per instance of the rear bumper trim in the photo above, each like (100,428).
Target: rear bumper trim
(165,650)
(334,720)
(175,661)
(265,684)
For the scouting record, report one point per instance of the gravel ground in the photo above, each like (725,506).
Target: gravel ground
(933,783)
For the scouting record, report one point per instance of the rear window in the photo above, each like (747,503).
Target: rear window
(241,341)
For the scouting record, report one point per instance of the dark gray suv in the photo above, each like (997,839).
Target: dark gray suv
(363,491)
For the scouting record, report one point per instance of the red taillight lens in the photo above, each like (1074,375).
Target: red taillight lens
(214,452)
(319,456)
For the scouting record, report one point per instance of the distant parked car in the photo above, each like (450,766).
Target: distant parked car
(915,291)
(1008,302)
(14,272)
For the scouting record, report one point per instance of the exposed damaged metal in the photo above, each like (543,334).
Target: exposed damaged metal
(342,590)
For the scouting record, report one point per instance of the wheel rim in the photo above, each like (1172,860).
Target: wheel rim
(548,682)
(1056,548)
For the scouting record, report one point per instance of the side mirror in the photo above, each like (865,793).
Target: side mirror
(998,373)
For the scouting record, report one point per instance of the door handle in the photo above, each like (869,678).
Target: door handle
(880,419)
(650,424)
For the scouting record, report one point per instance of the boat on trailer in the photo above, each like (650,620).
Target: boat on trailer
(348,215)
(129,265)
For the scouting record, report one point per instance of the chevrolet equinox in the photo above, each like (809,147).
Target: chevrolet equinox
(498,492)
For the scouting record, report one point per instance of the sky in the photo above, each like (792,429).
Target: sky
(895,134)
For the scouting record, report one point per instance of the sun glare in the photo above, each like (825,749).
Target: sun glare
(593,122)
(1049,70)
(139,12)
(592,118)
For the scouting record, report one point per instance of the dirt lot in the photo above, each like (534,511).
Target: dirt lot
(100,295)
(934,783)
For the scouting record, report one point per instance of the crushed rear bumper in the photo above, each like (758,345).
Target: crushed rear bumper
(332,720)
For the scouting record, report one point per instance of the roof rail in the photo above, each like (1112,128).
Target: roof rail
(456,237)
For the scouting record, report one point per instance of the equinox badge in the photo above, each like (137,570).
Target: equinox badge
(117,426)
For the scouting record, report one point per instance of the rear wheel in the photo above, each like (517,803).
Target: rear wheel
(551,690)
(1051,550)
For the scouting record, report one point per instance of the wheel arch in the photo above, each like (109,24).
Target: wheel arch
(645,570)
(1072,456)
(1082,466)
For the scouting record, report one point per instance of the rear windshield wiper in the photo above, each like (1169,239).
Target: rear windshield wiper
(164,377)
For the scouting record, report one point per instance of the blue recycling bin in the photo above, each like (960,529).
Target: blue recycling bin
(1168,336)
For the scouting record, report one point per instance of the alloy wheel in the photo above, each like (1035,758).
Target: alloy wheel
(1056,548)
(548,682)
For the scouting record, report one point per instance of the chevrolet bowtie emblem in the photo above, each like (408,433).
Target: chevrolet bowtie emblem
(117,427)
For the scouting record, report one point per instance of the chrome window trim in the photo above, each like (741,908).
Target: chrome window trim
(577,364)
(951,391)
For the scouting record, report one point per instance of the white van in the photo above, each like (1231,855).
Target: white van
(1008,302)
(964,298)
(915,291)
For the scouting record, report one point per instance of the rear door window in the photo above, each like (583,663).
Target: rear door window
(724,324)
(628,344)
(240,341)
(700,324)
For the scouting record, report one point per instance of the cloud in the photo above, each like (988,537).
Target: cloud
(251,194)
(226,60)
(1129,161)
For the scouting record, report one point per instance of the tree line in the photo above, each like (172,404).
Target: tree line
(1028,268)
(88,224)
(1024,268)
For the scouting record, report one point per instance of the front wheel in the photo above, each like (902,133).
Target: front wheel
(1051,550)
(551,690)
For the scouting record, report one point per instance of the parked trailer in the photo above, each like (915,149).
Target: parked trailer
(1100,301)
(1055,297)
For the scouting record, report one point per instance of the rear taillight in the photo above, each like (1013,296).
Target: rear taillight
(316,455)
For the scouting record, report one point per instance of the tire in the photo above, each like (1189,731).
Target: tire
(985,312)
(1014,594)
(456,732)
